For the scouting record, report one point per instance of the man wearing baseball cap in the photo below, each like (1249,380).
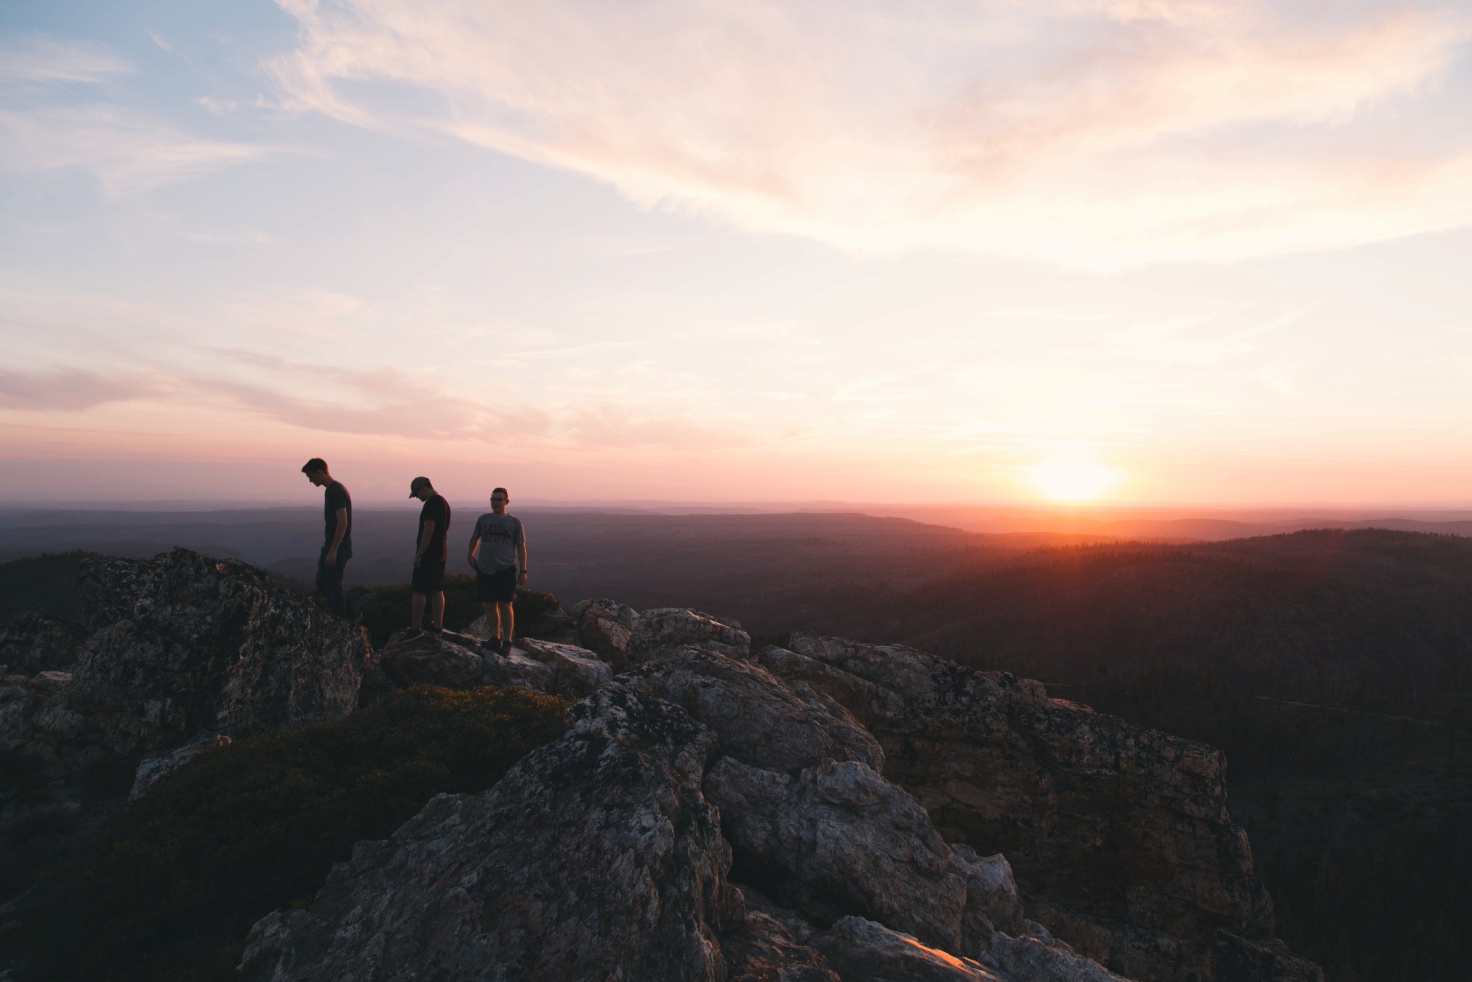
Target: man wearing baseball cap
(427,583)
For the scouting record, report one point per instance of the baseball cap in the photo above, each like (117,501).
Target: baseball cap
(417,483)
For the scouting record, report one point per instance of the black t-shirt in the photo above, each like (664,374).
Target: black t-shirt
(436,510)
(336,496)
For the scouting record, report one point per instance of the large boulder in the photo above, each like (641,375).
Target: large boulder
(1118,835)
(664,631)
(596,857)
(199,645)
(760,720)
(605,627)
(576,672)
(837,839)
(449,660)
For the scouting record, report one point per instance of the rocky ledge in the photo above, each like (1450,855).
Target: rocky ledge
(824,811)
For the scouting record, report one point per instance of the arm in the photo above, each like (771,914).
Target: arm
(426,534)
(338,532)
(521,561)
(470,553)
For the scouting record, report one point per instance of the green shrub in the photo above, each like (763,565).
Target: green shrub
(171,890)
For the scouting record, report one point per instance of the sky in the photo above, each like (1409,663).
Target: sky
(1138,251)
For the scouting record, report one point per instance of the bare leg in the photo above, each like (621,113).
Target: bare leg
(506,619)
(493,622)
(416,610)
(437,610)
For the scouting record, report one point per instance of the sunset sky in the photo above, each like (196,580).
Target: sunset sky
(1192,251)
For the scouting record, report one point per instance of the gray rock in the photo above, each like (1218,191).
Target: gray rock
(430,659)
(1033,959)
(664,631)
(838,839)
(761,949)
(596,857)
(518,668)
(153,769)
(760,720)
(992,902)
(605,627)
(1118,835)
(576,672)
(862,950)
(605,855)
(209,645)
(32,643)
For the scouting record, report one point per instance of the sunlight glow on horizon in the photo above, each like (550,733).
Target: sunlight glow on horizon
(1072,474)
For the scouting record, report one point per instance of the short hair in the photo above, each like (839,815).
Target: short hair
(503,491)
(315,464)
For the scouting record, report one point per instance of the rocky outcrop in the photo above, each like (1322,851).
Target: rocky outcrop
(1119,836)
(624,637)
(32,643)
(193,644)
(827,811)
(180,653)
(609,854)
(596,857)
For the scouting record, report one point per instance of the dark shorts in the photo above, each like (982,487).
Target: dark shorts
(428,577)
(496,588)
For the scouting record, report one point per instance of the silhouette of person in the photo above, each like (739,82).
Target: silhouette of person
(337,545)
(426,585)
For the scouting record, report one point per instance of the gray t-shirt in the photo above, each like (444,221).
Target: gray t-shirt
(499,536)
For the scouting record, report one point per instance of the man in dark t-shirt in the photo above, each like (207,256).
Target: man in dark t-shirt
(337,544)
(426,586)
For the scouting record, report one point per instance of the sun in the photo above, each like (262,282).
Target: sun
(1072,475)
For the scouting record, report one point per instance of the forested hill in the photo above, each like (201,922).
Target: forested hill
(1347,616)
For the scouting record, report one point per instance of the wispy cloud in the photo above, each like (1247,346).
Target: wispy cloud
(128,150)
(1088,131)
(1172,340)
(71,390)
(44,58)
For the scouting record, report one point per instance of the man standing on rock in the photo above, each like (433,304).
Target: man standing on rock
(498,556)
(430,553)
(337,547)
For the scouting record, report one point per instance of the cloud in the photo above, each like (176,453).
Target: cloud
(128,150)
(384,401)
(43,58)
(1087,131)
(72,390)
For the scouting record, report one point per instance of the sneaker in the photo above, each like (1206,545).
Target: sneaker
(413,633)
(436,631)
(505,649)
(491,646)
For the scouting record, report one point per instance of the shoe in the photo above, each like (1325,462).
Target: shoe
(436,631)
(491,646)
(413,633)
(505,649)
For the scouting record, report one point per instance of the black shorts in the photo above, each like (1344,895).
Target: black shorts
(428,577)
(496,588)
